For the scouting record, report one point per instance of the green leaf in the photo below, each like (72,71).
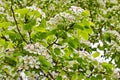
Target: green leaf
(85,35)
(67,52)
(44,62)
(79,26)
(57,51)
(108,67)
(39,35)
(85,13)
(10,61)
(29,26)
(13,35)
(60,26)
(73,42)
(96,54)
(75,76)
(22,11)
(34,13)
(59,78)
(75,66)
(80,60)
(2,42)
(4,24)
(43,24)
(88,72)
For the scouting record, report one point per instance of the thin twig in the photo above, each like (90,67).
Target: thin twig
(53,43)
(17,25)
(49,75)
(29,2)
(3,37)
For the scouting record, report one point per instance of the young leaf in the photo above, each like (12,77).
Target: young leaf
(96,54)
(57,51)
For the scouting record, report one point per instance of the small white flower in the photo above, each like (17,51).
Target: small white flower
(76,10)
(11,27)
(32,47)
(2,9)
(32,75)
(37,45)
(38,9)
(23,67)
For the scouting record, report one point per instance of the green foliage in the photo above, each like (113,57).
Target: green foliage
(59,40)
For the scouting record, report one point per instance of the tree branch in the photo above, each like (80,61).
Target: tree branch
(49,75)
(53,43)
(3,37)
(29,2)
(13,13)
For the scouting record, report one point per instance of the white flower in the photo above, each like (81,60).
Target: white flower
(35,64)
(116,73)
(38,21)
(11,27)
(38,9)
(76,10)
(32,47)
(32,61)
(23,67)
(26,59)
(32,75)
(54,73)
(114,32)
(37,45)
(2,9)
(60,19)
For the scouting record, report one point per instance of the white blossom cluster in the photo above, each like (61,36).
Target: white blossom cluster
(39,50)
(102,3)
(10,18)
(116,73)
(35,48)
(114,32)
(9,70)
(76,10)
(61,18)
(29,61)
(32,75)
(85,42)
(43,15)
(65,17)
(33,7)
(115,46)
(1,9)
